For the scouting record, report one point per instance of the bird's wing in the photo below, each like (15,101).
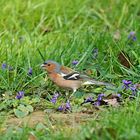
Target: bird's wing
(66,70)
(72,76)
(86,80)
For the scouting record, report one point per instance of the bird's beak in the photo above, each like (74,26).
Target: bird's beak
(43,65)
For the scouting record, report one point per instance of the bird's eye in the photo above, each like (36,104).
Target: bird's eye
(49,64)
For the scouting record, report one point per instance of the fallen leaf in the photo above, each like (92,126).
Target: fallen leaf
(32,137)
(124,59)
(113,99)
(112,102)
(137,86)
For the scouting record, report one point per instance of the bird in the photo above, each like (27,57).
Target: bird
(68,78)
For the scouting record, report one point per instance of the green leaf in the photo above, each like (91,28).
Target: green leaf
(78,94)
(23,108)
(29,108)
(40,127)
(19,113)
(98,90)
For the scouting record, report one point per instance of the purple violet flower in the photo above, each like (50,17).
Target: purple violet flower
(119,95)
(100,97)
(30,71)
(4,66)
(20,95)
(133,89)
(54,98)
(89,99)
(67,105)
(129,85)
(75,62)
(126,83)
(60,108)
(132,36)
(97,103)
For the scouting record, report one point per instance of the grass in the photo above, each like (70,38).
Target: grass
(36,30)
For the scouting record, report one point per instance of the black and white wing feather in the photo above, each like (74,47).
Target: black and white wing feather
(72,76)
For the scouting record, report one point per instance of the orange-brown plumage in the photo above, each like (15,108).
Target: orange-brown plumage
(65,77)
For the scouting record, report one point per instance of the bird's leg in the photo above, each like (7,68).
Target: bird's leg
(67,93)
(74,90)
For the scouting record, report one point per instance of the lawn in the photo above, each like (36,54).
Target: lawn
(97,38)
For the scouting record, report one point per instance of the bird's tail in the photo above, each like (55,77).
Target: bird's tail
(94,82)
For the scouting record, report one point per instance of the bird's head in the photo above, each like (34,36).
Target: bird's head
(51,66)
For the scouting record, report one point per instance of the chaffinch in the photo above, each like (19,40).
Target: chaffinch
(66,77)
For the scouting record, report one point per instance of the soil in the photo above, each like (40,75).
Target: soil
(71,119)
